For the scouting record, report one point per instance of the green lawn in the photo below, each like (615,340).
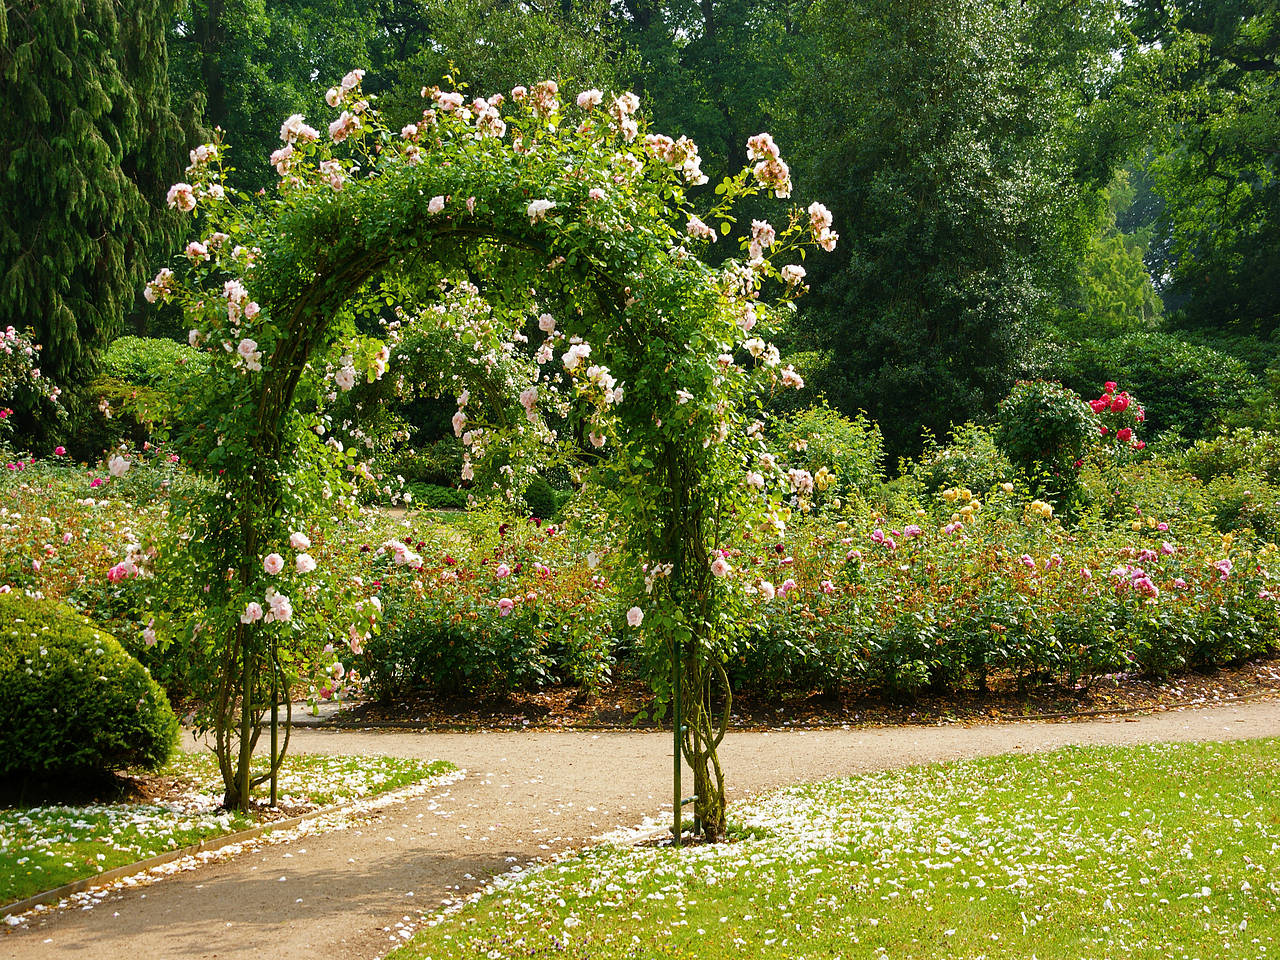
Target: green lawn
(1160,851)
(45,847)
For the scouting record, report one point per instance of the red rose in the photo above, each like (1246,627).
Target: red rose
(1109,386)
(1120,403)
(1124,434)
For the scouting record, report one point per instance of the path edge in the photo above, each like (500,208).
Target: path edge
(214,844)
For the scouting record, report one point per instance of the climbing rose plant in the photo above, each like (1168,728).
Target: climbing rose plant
(548,255)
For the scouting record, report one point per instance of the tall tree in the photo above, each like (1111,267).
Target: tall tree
(1218,169)
(938,130)
(87,144)
(257,62)
(712,68)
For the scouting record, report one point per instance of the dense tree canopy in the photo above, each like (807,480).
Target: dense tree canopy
(936,130)
(88,143)
(1217,166)
(1010,178)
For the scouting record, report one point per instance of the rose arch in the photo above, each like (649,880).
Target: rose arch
(652,354)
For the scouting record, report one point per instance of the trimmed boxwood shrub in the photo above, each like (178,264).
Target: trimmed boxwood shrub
(75,702)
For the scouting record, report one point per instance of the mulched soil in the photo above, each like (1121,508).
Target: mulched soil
(629,705)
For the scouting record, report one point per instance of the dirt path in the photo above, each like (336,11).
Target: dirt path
(526,794)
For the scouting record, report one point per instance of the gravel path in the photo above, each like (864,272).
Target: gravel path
(525,795)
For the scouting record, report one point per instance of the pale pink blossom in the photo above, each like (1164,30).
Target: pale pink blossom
(635,617)
(182,196)
(538,209)
(699,230)
(342,127)
(720,567)
(435,205)
(295,129)
(589,99)
(281,607)
(252,612)
(762,147)
(273,563)
(299,541)
(304,563)
(506,605)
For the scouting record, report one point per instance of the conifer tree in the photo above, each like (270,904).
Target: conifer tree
(88,143)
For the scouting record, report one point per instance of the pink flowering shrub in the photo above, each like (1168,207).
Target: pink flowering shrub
(1004,592)
(519,606)
(23,388)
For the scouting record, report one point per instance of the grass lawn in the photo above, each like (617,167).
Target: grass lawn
(45,847)
(1158,851)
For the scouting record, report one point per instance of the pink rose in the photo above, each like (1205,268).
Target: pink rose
(252,612)
(273,563)
(635,616)
(506,605)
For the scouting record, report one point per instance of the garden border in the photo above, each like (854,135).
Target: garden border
(337,724)
(212,845)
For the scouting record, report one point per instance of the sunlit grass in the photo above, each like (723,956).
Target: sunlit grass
(45,847)
(1156,851)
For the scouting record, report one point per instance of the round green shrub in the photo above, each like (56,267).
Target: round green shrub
(971,460)
(75,702)
(1043,425)
(1186,387)
(852,449)
(541,499)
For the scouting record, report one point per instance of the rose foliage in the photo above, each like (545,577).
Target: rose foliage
(602,329)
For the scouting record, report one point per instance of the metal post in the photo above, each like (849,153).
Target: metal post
(275,726)
(676,720)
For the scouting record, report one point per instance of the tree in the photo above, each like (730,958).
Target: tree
(1115,294)
(1216,167)
(255,62)
(942,134)
(88,143)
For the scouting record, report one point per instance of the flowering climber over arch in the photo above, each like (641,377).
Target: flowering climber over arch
(554,251)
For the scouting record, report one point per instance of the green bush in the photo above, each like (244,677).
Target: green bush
(542,499)
(971,460)
(1243,449)
(439,463)
(433,497)
(1186,387)
(853,450)
(74,701)
(140,391)
(152,362)
(1044,427)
